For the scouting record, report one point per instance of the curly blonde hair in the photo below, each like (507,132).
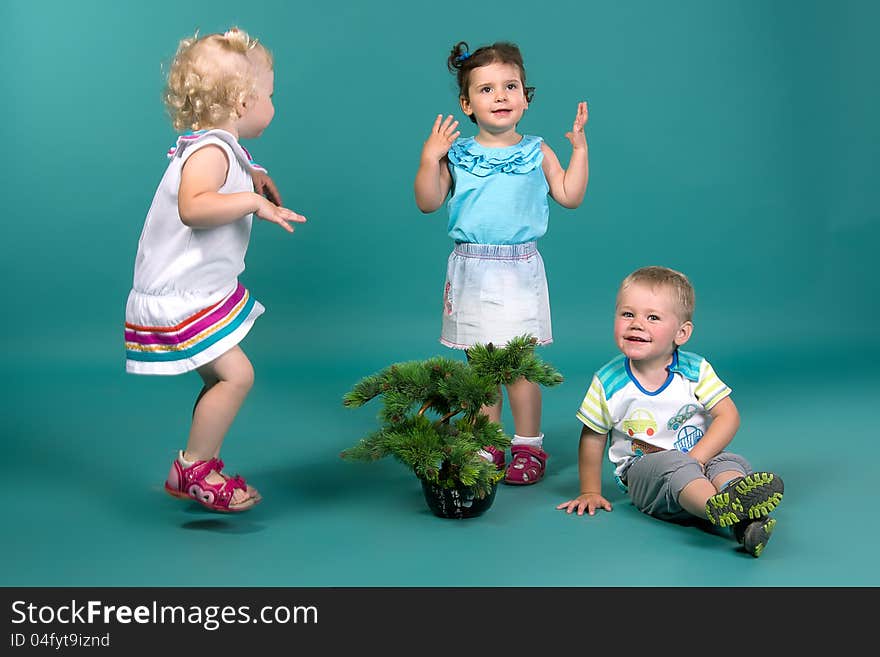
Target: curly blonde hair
(210,77)
(677,283)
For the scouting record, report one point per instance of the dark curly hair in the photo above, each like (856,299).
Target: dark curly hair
(461,62)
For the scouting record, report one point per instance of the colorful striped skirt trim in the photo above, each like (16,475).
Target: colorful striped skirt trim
(193,342)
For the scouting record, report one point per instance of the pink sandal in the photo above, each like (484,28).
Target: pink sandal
(497,456)
(250,490)
(188,482)
(527,465)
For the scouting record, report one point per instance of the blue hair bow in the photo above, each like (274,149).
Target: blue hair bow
(463,56)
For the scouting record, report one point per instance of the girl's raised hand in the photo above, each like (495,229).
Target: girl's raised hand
(576,136)
(442,135)
(275,214)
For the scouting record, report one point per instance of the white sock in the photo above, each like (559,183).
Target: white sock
(486,455)
(536,441)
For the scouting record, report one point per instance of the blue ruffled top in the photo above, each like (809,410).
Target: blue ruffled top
(499,195)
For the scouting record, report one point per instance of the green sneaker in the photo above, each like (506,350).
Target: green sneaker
(754,535)
(752,497)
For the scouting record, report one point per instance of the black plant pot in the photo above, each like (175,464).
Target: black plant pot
(456,502)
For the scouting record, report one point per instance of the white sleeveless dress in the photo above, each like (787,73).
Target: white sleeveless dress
(187,306)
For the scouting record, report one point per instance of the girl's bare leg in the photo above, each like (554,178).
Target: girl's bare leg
(227,381)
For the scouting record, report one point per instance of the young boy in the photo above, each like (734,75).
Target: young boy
(669,417)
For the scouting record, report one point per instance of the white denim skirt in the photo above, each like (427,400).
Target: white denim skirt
(495,292)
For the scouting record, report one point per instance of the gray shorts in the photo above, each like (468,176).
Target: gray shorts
(656,480)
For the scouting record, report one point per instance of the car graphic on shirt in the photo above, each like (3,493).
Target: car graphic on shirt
(687,437)
(640,421)
(684,414)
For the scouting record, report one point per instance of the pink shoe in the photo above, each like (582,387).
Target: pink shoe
(188,482)
(251,491)
(497,456)
(527,465)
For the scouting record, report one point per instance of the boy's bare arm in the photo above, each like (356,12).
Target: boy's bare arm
(724,425)
(591,450)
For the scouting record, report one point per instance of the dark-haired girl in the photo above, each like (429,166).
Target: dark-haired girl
(497,184)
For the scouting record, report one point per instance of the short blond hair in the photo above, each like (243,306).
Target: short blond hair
(683,295)
(210,77)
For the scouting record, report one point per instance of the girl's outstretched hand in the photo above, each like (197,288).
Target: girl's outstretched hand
(576,136)
(442,135)
(268,211)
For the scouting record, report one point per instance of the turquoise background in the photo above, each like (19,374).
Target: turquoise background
(736,141)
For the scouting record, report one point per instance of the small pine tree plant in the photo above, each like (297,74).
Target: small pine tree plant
(431,412)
